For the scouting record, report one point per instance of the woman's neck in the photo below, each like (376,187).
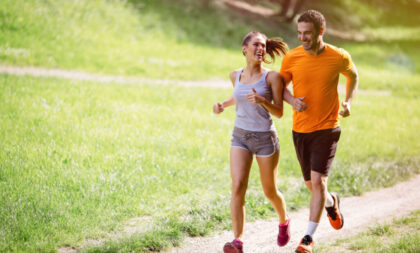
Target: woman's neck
(253,69)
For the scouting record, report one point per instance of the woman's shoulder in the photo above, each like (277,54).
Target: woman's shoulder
(273,74)
(273,77)
(233,74)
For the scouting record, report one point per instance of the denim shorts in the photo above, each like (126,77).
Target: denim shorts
(262,144)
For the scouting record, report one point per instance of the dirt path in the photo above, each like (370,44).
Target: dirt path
(83,76)
(359,213)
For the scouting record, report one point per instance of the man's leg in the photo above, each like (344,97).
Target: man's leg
(318,186)
(319,192)
(321,151)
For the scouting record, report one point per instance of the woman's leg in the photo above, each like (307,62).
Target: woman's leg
(240,166)
(268,174)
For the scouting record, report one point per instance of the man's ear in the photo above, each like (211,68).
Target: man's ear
(321,31)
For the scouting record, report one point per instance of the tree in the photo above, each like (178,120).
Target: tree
(289,8)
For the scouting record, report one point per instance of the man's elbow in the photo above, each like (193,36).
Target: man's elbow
(354,76)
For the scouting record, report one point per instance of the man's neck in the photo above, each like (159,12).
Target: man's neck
(320,47)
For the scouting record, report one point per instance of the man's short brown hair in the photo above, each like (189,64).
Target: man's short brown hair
(314,17)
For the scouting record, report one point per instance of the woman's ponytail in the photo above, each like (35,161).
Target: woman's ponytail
(275,46)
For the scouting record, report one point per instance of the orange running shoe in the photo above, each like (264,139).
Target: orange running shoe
(334,215)
(305,245)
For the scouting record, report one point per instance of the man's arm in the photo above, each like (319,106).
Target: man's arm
(296,103)
(351,87)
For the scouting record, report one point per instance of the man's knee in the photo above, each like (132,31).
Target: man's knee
(319,183)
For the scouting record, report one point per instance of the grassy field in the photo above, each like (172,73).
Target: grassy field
(79,159)
(400,235)
(152,38)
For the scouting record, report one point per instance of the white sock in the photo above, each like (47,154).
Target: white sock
(311,228)
(329,201)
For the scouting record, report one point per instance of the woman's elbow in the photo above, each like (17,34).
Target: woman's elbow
(279,114)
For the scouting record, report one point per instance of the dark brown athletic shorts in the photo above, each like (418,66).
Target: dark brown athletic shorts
(315,151)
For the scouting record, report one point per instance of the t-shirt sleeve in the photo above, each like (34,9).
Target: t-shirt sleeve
(285,69)
(347,62)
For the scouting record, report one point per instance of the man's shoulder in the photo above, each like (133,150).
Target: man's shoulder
(294,54)
(336,50)
(296,51)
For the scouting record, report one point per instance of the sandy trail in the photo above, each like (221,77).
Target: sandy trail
(359,213)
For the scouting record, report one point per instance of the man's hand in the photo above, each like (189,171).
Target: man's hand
(218,108)
(346,109)
(299,105)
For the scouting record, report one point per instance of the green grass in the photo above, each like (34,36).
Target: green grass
(400,235)
(153,38)
(81,158)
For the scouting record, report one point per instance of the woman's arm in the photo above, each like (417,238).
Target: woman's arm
(275,81)
(219,107)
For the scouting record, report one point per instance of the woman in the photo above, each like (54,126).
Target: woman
(257,94)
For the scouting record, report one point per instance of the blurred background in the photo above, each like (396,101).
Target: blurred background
(81,159)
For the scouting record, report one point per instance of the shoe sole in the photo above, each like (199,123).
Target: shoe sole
(230,249)
(305,251)
(339,210)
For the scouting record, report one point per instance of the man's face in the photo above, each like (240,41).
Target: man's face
(307,35)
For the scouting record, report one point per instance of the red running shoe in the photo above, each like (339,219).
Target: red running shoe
(233,247)
(284,233)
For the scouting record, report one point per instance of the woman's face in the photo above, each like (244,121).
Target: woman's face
(255,50)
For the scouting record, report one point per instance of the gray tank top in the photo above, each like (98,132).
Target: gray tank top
(249,116)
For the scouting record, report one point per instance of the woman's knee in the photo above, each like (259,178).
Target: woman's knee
(239,188)
(271,192)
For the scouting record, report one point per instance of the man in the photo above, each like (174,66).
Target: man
(314,68)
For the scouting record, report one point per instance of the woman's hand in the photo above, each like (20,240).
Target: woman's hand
(255,98)
(218,108)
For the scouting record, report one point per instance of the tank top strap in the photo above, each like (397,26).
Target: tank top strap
(264,76)
(238,75)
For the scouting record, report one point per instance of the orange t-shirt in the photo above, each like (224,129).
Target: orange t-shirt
(315,77)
